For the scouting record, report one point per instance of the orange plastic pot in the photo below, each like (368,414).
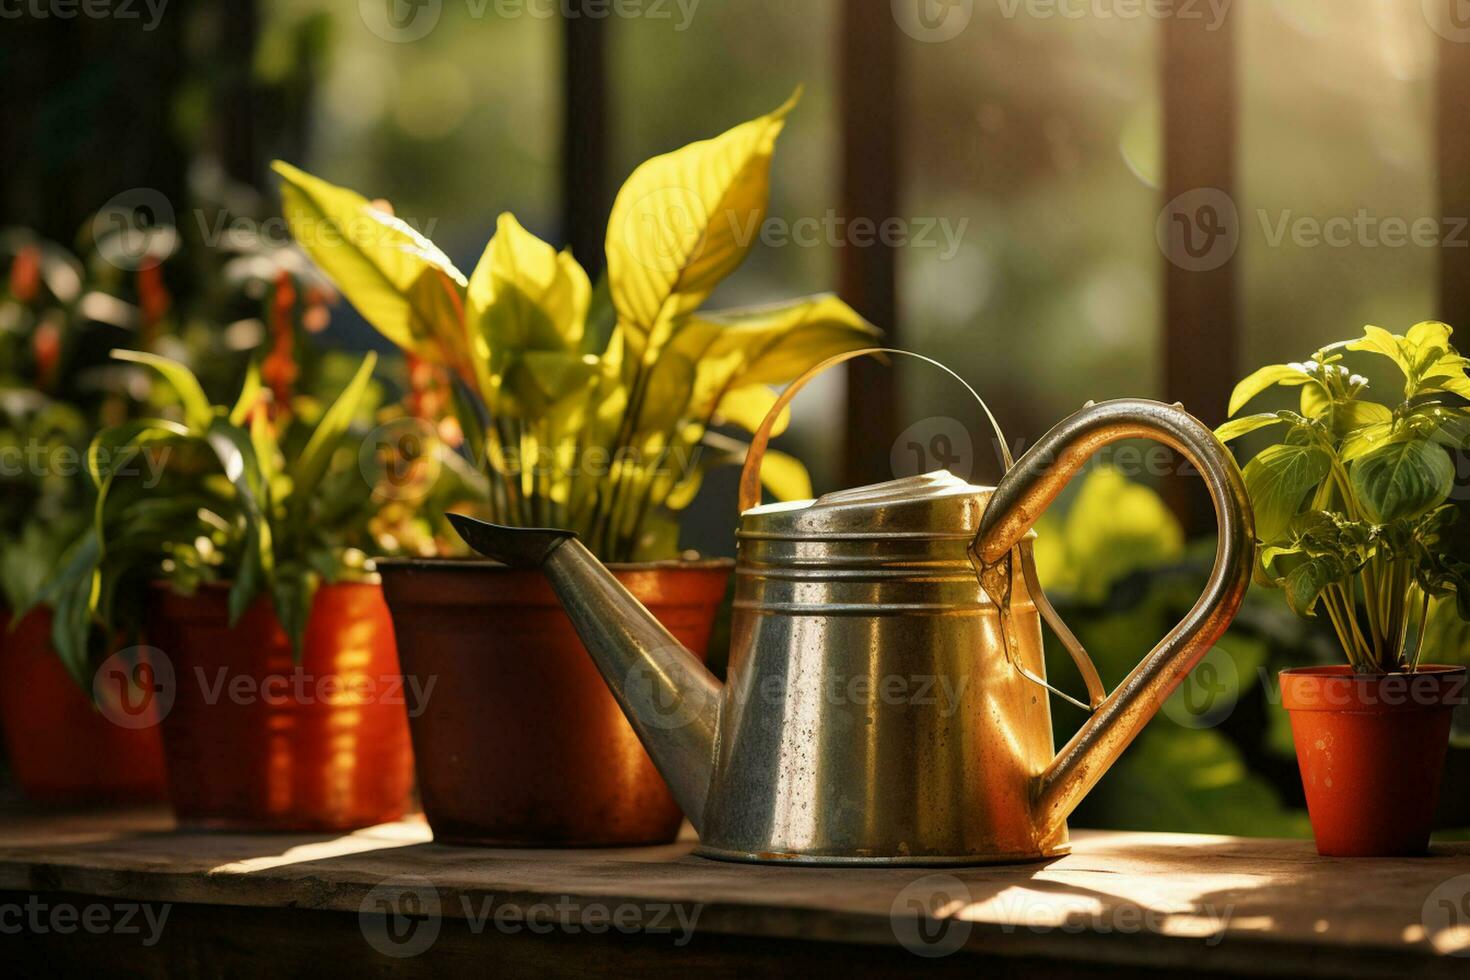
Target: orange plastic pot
(62,748)
(1371,749)
(519,742)
(255,741)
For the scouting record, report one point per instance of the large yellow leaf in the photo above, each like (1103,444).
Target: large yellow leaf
(683,222)
(739,352)
(374,258)
(552,386)
(436,325)
(748,407)
(783,475)
(777,343)
(524,295)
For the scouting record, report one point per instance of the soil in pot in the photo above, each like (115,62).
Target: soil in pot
(63,748)
(1371,748)
(256,741)
(520,742)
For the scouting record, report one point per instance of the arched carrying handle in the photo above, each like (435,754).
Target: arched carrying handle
(1023,496)
(750,496)
(750,476)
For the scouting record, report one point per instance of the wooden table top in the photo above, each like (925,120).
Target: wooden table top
(1170,901)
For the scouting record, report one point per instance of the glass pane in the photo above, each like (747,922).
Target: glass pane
(1032,148)
(454,117)
(1337,165)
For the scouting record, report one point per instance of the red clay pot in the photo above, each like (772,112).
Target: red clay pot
(62,748)
(257,742)
(1371,748)
(521,743)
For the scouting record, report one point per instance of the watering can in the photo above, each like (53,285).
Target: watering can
(886,700)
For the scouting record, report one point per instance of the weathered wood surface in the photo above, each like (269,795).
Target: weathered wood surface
(1121,900)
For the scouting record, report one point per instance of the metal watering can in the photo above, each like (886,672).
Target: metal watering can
(885,701)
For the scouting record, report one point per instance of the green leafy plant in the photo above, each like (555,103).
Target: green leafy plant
(267,497)
(1351,502)
(593,408)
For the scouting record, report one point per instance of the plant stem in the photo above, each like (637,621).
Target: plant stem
(1423,628)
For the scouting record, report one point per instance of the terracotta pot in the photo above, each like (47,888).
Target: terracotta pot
(520,742)
(255,741)
(63,749)
(1371,748)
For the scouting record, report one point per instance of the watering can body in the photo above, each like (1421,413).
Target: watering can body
(886,700)
(869,714)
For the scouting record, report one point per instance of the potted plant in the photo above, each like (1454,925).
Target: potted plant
(592,409)
(243,537)
(1354,525)
(61,748)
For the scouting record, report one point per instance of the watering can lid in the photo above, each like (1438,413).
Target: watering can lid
(934,505)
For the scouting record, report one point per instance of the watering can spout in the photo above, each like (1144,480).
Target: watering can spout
(670,699)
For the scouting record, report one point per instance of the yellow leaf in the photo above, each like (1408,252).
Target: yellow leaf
(768,345)
(435,323)
(374,259)
(683,222)
(1267,377)
(1430,334)
(781,341)
(785,477)
(1362,441)
(249,394)
(1316,402)
(1380,341)
(1458,385)
(523,296)
(748,407)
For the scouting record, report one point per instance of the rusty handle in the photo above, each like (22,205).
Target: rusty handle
(1029,488)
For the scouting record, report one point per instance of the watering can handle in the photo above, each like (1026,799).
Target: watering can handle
(1028,489)
(750,496)
(750,476)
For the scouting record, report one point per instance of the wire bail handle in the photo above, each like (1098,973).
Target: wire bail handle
(996,579)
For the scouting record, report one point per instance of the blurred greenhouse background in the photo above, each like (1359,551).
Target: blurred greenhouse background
(1032,146)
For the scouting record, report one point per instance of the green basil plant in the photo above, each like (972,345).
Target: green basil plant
(1353,501)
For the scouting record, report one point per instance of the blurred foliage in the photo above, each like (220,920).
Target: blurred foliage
(55,327)
(1213,760)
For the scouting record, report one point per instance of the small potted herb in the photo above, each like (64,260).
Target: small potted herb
(592,409)
(243,543)
(1355,526)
